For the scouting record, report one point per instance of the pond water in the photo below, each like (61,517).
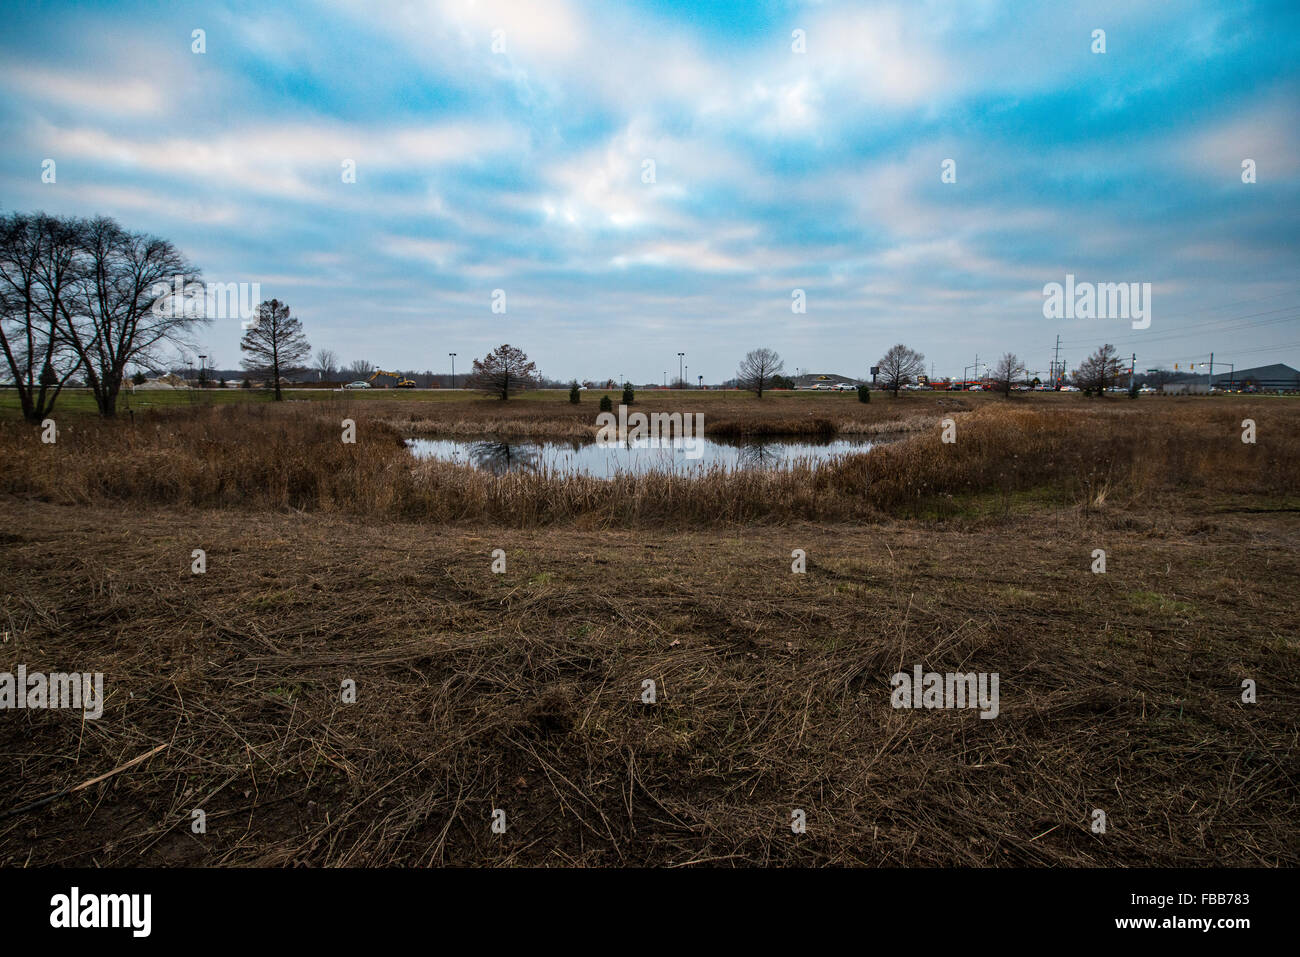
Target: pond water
(496,455)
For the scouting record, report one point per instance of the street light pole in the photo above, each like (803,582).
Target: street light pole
(1232,372)
(453,369)
(681,377)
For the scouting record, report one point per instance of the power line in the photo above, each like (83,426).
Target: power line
(1182,357)
(1200,328)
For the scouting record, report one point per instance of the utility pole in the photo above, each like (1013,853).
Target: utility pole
(453,369)
(681,377)
(1131,370)
(1211,372)
(1056,362)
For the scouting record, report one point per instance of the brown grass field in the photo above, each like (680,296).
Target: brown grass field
(522,691)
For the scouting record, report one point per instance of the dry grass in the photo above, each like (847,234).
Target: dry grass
(521,691)
(292,457)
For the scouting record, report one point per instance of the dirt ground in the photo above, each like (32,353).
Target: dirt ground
(522,691)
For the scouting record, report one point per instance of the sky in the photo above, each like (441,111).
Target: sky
(640,179)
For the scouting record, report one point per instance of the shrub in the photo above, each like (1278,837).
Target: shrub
(606,405)
(255,455)
(246,384)
(628,394)
(864,393)
(574,395)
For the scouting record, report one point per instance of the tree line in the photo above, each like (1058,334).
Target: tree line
(900,366)
(88,296)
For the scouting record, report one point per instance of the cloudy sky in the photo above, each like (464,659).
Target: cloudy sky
(506,146)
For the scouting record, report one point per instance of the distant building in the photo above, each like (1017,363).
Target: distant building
(1277,377)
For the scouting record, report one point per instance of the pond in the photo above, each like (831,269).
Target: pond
(497,455)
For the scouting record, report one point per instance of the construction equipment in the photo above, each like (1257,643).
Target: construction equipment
(402,381)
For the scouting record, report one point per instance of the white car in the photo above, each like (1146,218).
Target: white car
(845,387)
(359,384)
(1069,388)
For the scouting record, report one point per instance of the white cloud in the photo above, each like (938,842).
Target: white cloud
(436,252)
(875,55)
(698,256)
(100,93)
(1265,132)
(285,161)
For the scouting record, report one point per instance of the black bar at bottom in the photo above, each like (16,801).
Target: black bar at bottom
(333,907)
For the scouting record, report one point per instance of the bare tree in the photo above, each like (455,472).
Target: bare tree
(757,370)
(359,369)
(40,266)
(274,343)
(127,308)
(1006,371)
(503,371)
(899,366)
(1099,371)
(326,363)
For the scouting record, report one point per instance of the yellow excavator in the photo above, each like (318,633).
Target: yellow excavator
(402,381)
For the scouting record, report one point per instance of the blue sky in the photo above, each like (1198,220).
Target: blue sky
(522,169)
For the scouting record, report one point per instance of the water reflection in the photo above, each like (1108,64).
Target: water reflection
(499,456)
(762,455)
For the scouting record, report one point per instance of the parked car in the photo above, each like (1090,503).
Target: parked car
(844,387)
(1069,388)
(359,384)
